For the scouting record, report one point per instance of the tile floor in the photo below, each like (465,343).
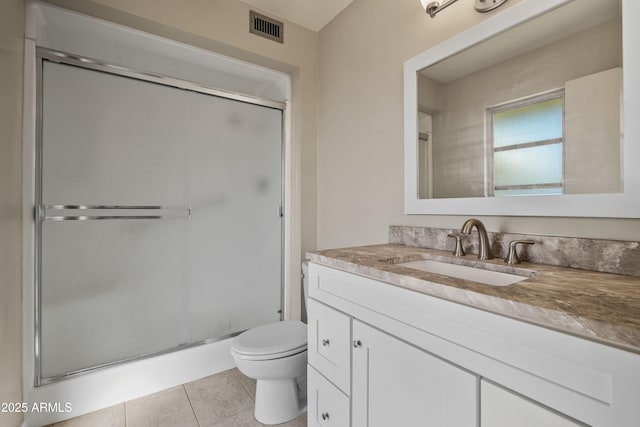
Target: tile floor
(221,400)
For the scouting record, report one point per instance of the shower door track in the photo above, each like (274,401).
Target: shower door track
(40,211)
(97,65)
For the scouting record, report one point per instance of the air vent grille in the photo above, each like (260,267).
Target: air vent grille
(266,27)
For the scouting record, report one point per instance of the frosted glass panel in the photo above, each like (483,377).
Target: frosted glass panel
(537,122)
(119,288)
(529,166)
(110,290)
(113,140)
(528,149)
(234,239)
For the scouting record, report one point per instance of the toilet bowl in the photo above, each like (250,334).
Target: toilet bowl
(275,355)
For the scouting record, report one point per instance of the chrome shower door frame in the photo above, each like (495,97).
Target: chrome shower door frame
(42,212)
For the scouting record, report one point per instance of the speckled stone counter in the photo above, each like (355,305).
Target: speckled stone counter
(607,256)
(603,307)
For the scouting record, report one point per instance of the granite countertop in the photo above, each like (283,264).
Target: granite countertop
(602,307)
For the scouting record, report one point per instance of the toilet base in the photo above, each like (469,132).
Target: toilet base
(278,401)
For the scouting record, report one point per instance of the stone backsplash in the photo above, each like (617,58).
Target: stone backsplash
(608,256)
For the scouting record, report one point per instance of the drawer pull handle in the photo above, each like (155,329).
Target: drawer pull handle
(325,416)
(325,342)
(357,343)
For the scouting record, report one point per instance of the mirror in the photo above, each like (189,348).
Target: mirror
(523,115)
(529,111)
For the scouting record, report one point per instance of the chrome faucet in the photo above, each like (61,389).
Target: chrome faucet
(484,251)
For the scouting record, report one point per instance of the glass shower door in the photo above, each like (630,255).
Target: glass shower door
(234,241)
(157,219)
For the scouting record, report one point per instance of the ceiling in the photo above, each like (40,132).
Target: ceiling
(311,14)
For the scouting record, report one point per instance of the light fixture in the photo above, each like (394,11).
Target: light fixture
(488,5)
(433,7)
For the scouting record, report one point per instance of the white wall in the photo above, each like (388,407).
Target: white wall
(593,120)
(360,126)
(11,64)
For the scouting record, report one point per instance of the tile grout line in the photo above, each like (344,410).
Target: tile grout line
(191,405)
(244,386)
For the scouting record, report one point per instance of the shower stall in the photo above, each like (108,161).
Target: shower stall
(158,218)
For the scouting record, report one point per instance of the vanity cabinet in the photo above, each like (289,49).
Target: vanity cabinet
(393,356)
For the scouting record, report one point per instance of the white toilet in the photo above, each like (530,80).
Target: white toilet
(275,355)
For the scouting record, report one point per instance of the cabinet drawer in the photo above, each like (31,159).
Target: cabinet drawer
(326,405)
(329,343)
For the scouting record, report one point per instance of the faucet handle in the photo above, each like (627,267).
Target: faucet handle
(458,251)
(512,255)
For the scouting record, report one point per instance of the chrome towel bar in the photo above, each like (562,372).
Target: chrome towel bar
(61,212)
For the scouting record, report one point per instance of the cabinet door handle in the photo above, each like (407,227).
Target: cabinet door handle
(325,416)
(357,343)
(325,342)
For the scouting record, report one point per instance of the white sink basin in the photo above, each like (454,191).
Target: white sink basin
(487,277)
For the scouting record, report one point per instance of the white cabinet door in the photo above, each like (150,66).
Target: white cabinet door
(501,408)
(327,406)
(396,384)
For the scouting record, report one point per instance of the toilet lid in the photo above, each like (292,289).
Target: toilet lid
(288,337)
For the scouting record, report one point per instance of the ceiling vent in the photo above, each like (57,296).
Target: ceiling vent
(266,27)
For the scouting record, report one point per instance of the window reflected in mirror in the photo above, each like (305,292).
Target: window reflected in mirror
(525,140)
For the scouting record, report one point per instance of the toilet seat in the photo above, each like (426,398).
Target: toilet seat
(271,341)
